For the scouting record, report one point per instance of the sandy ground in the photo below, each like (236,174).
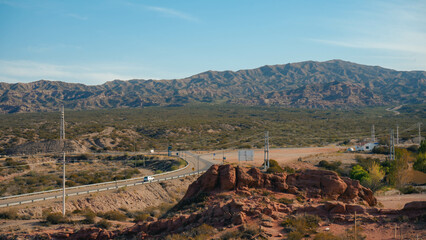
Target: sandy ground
(282,155)
(398,201)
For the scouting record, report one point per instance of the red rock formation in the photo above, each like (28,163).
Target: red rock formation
(243,202)
(316,183)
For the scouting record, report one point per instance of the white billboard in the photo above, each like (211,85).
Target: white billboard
(246,155)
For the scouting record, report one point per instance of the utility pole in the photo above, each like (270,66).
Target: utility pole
(397,134)
(373,137)
(266,151)
(62,139)
(420,136)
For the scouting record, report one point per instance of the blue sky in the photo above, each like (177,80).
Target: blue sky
(95,41)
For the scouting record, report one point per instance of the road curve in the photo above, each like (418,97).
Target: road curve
(196,165)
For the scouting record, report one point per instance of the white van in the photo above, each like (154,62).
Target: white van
(148,179)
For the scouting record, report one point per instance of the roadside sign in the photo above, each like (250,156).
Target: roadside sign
(246,155)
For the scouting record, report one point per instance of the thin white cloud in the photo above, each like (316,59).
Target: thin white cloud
(28,71)
(364,44)
(171,13)
(166,12)
(395,28)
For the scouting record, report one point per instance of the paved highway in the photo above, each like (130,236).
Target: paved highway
(195,165)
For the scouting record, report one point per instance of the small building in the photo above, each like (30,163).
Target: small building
(367,147)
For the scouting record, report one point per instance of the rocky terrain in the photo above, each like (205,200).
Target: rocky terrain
(308,84)
(238,199)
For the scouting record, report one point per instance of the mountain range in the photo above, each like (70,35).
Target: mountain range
(310,84)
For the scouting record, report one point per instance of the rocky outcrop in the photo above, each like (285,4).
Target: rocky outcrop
(235,196)
(313,183)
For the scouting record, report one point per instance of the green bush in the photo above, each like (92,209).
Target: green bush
(274,167)
(420,163)
(422,148)
(359,173)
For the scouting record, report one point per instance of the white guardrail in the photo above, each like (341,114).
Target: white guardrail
(90,185)
(99,189)
(97,184)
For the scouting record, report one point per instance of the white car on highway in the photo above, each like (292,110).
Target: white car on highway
(148,178)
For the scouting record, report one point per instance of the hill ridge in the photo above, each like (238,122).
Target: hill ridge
(309,84)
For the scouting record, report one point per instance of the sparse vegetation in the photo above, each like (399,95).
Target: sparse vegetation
(333,166)
(9,214)
(105,224)
(300,225)
(82,172)
(201,232)
(113,215)
(244,232)
(285,200)
(56,218)
(204,126)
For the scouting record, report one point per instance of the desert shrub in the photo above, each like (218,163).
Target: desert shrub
(9,214)
(89,217)
(114,215)
(243,232)
(409,189)
(274,167)
(422,148)
(56,218)
(303,224)
(326,236)
(103,224)
(330,165)
(140,217)
(199,233)
(380,150)
(289,169)
(285,200)
(295,236)
(420,163)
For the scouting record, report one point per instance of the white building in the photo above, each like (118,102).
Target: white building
(367,147)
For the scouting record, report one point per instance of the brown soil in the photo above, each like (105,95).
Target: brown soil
(286,156)
(134,198)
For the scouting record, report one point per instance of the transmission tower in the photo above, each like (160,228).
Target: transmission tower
(397,134)
(392,146)
(266,151)
(62,140)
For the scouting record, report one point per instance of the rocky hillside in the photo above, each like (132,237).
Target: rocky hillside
(247,204)
(309,84)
